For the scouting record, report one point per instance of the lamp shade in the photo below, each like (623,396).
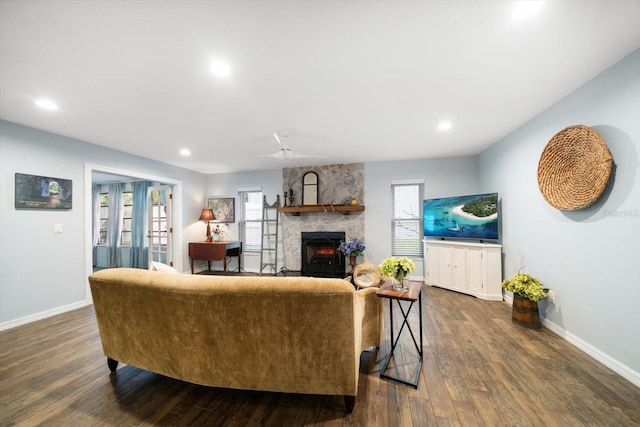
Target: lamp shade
(207,215)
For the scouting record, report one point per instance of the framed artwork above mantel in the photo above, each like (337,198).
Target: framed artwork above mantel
(224,209)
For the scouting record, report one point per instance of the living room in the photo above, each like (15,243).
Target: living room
(586,257)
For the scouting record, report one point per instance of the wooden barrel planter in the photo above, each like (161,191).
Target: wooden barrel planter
(525,312)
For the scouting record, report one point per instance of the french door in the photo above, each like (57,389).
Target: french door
(160,224)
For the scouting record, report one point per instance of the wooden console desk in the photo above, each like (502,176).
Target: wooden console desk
(215,251)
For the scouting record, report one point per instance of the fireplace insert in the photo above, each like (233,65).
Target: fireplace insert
(320,254)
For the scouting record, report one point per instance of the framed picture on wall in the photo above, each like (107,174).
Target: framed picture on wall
(42,192)
(224,208)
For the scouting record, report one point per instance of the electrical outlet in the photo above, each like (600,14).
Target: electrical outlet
(551,296)
(57,228)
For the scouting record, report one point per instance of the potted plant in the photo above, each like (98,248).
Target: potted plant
(527,291)
(397,269)
(353,247)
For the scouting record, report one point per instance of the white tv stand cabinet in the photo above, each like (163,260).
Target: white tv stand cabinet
(467,267)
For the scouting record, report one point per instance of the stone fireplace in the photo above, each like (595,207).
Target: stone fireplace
(337,185)
(320,254)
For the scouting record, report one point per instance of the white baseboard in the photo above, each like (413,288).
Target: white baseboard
(42,315)
(611,363)
(508,298)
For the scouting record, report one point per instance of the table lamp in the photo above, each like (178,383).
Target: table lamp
(207,215)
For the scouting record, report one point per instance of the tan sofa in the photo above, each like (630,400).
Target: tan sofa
(282,334)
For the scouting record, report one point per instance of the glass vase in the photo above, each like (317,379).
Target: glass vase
(399,283)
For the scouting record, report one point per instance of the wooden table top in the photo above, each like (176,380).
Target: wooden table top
(387,291)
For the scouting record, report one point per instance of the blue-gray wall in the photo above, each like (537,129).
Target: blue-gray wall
(42,272)
(589,258)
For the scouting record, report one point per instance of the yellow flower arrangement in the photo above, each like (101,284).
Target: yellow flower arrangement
(526,286)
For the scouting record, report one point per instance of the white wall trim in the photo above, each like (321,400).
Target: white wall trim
(611,363)
(407,181)
(42,315)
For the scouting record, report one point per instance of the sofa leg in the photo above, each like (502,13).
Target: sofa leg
(349,403)
(112,364)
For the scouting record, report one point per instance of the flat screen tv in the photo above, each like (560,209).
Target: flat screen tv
(462,217)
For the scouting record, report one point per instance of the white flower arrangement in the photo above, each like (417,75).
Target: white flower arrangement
(220,230)
(397,267)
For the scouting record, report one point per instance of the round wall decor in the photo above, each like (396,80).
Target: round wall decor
(574,168)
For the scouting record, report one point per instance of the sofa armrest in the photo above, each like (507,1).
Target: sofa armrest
(371,317)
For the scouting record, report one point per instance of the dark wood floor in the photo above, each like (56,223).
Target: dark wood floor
(479,369)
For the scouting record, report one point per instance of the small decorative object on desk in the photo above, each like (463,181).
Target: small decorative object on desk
(397,269)
(218,233)
(527,291)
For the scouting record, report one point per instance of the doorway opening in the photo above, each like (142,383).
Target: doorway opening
(104,174)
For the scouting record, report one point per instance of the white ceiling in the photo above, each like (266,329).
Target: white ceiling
(358,81)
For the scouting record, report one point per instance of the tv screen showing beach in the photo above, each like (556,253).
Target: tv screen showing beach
(462,217)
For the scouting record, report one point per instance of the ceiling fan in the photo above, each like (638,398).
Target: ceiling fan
(285,153)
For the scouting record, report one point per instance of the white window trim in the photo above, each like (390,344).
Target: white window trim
(242,221)
(408,182)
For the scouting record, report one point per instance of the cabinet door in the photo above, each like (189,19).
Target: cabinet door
(433,263)
(476,269)
(446,265)
(459,270)
(493,272)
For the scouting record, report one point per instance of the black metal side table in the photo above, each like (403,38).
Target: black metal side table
(412,295)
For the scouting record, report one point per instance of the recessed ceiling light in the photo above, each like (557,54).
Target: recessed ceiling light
(185,152)
(525,9)
(444,125)
(46,104)
(220,68)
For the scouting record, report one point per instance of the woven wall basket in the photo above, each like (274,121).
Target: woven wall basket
(574,168)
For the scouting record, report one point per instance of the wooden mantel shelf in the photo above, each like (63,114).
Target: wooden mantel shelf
(343,209)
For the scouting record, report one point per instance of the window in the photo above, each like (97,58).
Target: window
(127,201)
(250,221)
(125,236)
(406,221)
(158,226)
(104,218)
